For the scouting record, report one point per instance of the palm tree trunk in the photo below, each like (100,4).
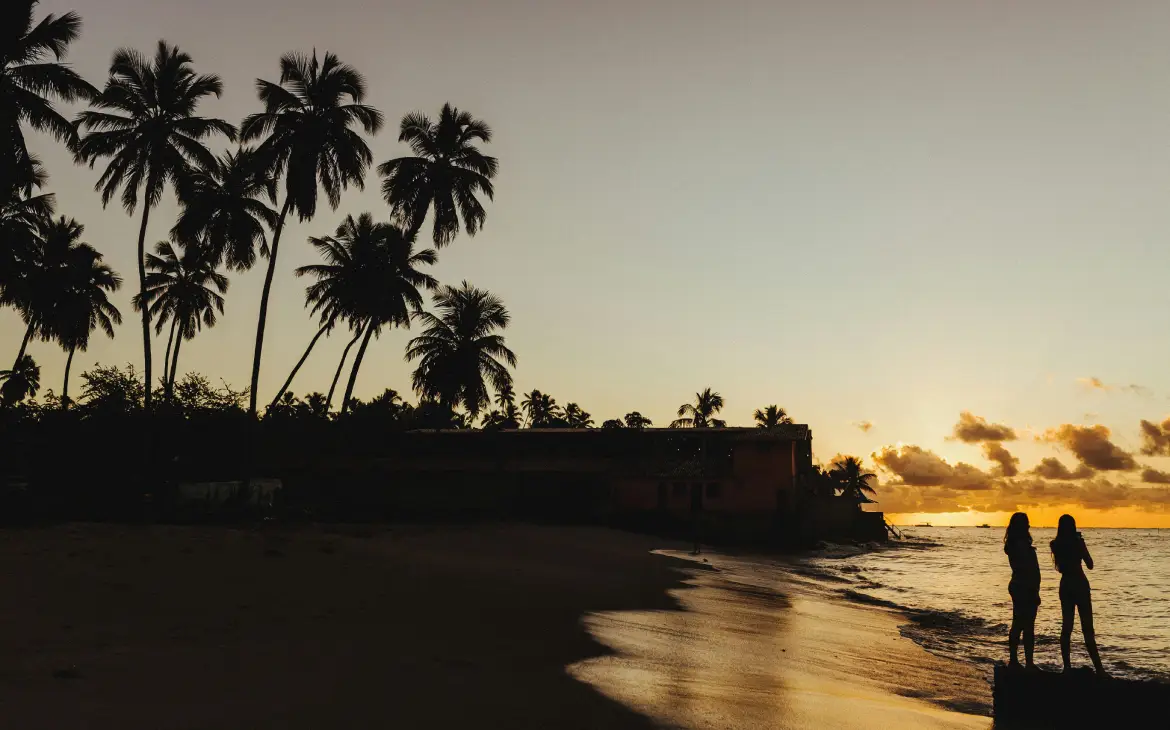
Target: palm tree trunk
(340,365)
(145,309)
(28,333)
(357,363)
(175,363)
(167,358)
(264,305)
(325,327)
(65,385)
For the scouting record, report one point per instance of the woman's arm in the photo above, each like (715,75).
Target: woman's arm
(1085,551)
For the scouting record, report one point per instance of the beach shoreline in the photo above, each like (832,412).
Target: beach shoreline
(443,626)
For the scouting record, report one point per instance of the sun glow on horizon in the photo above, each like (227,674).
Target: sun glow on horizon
(1039,517)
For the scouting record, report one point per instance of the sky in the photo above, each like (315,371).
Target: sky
(878,215)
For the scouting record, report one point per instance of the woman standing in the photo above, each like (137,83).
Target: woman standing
(1024,587)
(1068,552)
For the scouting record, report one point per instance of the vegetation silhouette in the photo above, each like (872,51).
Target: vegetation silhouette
(306,140)
(445,174)
(701,413)
(78,282)
(144,122)
(771,417)
(185,289)
(30,82)
(850,478)
(460,352)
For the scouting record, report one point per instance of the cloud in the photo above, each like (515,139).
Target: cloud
(1091,445)
(1156,438)
(1153,476)
(973,429)
(917,467)
(1052,468)
(864,426)
(1094,383)
(1007,465)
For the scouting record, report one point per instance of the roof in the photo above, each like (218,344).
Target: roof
(787,432)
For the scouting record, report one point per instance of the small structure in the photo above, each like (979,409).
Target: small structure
(747,484)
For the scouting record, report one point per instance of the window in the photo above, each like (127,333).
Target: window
(714,490)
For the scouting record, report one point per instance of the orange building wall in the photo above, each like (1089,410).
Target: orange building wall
(762,480)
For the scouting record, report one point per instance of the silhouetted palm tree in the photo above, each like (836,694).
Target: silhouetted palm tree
(145,123)
(29,82)
(22,381)
(81,282)
(343,280)
(446,174)
(460,353)
(851,478)
(576,417)
(637,420)
(771,417)
(506,396)
(184,288)
(612,423)
(357,328)
(308,140)
(540,409)
(385,280)
(223,210)
(701,413)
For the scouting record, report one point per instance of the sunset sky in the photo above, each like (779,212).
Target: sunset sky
(879,215)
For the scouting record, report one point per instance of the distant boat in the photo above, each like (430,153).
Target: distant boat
(985,526)
(924,524)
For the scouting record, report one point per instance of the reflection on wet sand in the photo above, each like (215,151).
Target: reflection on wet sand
(775,656)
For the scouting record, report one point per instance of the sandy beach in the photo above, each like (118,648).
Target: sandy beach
(105,626)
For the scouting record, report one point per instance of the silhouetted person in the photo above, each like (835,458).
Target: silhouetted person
(1069,552)
(1024,587)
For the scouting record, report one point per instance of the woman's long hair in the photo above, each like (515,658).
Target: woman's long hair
(1064,545)
(1017,531)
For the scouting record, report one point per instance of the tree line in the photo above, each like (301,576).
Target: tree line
(308,137)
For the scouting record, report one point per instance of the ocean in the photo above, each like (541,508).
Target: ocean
(952,582)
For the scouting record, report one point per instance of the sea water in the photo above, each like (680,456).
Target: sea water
(952,583)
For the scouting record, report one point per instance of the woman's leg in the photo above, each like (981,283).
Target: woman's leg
(1030,634)
(1086,607)
(1067,606)
(1018,621)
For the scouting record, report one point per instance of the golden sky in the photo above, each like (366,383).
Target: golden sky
(878,215)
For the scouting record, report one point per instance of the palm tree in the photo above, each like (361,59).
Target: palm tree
(358,328)
(637,420)
(850,477)
(224,211)
(145,123)
(383,280)
(22,381)
(701,413)
(446,174)
(771,418)
(576,417)
(184,288)
(307,139)
(460,353)
(29,82)
(540,409)
(506,397)
(342,281)
(81,282)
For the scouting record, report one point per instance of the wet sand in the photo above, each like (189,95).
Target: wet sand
(107,626)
